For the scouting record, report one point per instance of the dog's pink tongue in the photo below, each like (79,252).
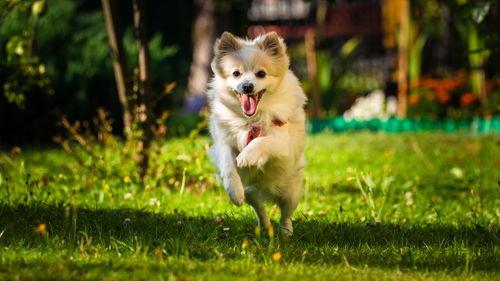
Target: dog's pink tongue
(249,104)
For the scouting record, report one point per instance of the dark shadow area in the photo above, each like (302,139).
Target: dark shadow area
(412,246)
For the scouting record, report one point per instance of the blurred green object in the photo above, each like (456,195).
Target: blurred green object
(469,16)
(395,125)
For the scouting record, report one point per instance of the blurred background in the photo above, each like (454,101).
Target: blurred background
(65,61)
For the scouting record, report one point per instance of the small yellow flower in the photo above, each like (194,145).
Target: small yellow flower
(276,256)
(106,186)
(472,192)
(271,231)
(257,231)
(41,229)
(245,243)
(126,179)
(158,251)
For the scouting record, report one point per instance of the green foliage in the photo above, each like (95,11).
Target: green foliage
(159,53)
(476,11)
(21,73)
(89,52)
(108,157)
(375,207)
(337,78)
(71,59)
(39,8)
(415,58)
(469,17)
(347,80)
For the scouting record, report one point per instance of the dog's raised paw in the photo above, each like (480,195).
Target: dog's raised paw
(250,157)
(245,159)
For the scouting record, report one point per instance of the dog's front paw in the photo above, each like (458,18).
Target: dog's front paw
(251,157)
(234,190)
(236,197)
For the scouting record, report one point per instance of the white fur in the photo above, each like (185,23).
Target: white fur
(269,168)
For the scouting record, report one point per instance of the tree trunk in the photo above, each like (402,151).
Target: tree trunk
(203,37)
(115,36)
(146,89)
(312,69)
(403,58)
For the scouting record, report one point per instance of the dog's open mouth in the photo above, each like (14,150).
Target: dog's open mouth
(249,102)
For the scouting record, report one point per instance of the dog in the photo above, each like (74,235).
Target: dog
(257,123)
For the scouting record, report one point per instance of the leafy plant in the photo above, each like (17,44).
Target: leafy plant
(468,19)
(22,73)
(100,153)
(374,193)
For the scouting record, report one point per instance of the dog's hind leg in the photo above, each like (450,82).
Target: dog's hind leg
(261,212)
(288,205)
(259,208)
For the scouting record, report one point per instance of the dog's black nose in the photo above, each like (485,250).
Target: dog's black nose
(248,88)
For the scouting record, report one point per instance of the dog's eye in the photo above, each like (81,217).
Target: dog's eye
(261,74)
(236,73)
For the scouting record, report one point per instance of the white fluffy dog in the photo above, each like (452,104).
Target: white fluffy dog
(258,124)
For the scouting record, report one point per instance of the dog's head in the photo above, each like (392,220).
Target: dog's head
(250,69)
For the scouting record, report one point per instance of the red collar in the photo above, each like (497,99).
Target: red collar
(278,123)
(255,131)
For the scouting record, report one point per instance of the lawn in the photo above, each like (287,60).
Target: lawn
(375,206)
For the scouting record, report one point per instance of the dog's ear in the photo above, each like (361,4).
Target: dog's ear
(272,44)
(226,44)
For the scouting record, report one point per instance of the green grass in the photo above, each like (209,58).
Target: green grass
(422,206)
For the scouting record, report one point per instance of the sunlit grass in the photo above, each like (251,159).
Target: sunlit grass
(420,206)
